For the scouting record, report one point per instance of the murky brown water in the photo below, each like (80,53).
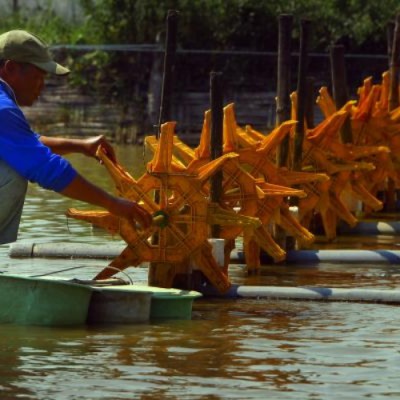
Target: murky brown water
(231,349)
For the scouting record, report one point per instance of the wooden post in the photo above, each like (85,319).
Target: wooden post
(162,274)
(339,86)
(389,33)
(283,104)
(394,67)
(393,100)
(155,86)
(283,86)
(198,280)
(216,100)
(301,93)
(169,64)
(309,109)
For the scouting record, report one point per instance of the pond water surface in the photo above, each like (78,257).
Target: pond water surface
(231,349)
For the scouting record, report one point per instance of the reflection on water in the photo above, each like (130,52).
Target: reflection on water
(232,349)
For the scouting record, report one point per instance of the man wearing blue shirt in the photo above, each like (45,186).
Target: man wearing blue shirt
(27,156)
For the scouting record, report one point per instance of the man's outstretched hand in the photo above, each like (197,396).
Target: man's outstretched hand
(132,211)
(91,145)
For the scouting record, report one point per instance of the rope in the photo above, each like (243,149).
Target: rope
(81,266)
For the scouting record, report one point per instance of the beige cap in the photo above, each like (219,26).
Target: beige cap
(22,46)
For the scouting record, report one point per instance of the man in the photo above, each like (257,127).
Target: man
(27,156)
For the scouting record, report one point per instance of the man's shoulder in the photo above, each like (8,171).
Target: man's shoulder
(10,113)
(11,117)
(6,103)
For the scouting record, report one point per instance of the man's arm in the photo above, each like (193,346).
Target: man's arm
(87,146)
(81,189)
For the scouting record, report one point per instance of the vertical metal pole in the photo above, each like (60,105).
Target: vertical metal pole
(283,87)
(301,93)
(169,64)
(339,85)
(216,100)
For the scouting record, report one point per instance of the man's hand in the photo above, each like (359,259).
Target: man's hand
(83,190)
(130,210)
(91,145)
(87,146)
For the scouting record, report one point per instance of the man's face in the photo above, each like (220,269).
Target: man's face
(28,83)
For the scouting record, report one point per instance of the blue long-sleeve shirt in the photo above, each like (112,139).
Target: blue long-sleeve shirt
(21,148)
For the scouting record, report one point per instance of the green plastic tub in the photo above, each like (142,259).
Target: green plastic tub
(38,301)
(166,303)
(119,305)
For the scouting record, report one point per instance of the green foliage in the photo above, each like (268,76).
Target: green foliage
(214,24)
(46,24)
(87,70)
(359,24)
